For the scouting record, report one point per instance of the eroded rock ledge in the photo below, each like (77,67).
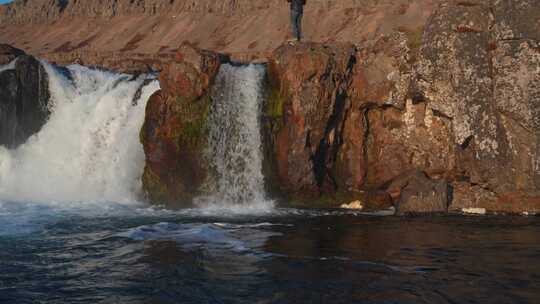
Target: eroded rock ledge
(430,120)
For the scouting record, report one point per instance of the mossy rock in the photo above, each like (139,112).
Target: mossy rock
(194,117)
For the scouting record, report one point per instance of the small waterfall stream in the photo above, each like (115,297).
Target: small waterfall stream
(234,142)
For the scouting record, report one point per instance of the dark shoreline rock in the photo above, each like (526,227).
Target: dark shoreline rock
(24,97)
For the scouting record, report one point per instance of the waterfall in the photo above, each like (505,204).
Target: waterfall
(89,149)
(234,142)
(9,66)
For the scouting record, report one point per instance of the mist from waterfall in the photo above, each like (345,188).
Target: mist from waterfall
(89,149)
(234,142)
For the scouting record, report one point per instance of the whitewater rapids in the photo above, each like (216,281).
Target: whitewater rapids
(89,149)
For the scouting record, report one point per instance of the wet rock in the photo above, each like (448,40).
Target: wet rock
(378,200)
(414,193)
(24,99)
(174,131)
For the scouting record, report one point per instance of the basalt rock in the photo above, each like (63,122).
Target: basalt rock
(174,131)
(24,97)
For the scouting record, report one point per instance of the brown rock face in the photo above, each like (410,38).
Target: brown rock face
(308,110)
(174,131)
(456,101)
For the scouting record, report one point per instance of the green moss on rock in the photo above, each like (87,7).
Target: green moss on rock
(195,117)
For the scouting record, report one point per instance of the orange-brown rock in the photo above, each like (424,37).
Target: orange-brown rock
(308,110)
(174,131)
(456,100)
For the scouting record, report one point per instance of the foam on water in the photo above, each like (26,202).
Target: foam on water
(212,236)
(89,150)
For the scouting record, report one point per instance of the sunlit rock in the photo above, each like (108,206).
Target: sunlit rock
(357,205)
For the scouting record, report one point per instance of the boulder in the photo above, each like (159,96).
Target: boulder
(174,130)
(378,200)
(8,53)
(24,99)
(415,193)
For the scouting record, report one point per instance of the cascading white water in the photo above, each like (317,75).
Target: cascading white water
(89,149)
(9,66)
(234,142)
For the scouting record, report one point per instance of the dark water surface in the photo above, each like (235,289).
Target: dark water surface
(51,255)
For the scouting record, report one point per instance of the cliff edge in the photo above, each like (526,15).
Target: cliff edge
(121,34)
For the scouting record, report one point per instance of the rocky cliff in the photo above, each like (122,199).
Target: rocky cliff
(458,101)
(429,119)
(429,106)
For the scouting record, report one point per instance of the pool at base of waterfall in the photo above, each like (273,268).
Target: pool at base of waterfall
(118,253)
